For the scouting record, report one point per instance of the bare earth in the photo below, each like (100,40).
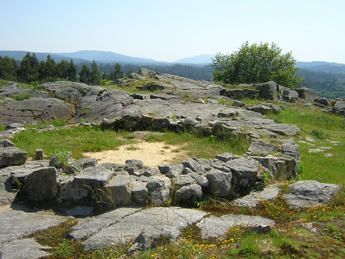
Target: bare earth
(151,153)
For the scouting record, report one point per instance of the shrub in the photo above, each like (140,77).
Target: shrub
(255,63)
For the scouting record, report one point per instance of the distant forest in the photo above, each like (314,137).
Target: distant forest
(30,69)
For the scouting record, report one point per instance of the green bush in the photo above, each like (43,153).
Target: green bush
(255,63)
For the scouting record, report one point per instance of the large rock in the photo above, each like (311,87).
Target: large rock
(339,107)
(322,102)
(119,189)
(268,90)
(6,143)
(17,224)
(306,94)
(40,184)
(214,227)
(78,189)
(290,149)
(35,109)
(188,195)
(283,129)
(193,165)
(219,183)
(166,222)
(159,190)
(84,163)
(23,248)
(92,225)
(259,148)
(288,95)
(281,168)
(244,174)
(107,104)
(96,176)
(71,91)
(10,156)
(305,194)
(264,108)
(139,193)
(239,93)
(183,180)
(253,199)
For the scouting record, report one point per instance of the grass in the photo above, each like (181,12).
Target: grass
(76,140)
(3,82)
(203,147)
(288,239)
(45,124)
(323,128)
(22,96)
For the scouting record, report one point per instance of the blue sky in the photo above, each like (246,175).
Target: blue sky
(171,29)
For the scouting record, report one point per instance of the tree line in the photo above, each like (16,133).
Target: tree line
(30,69)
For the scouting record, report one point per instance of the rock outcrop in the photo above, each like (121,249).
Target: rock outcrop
(305,194)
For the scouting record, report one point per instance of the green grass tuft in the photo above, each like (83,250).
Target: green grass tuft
(203,147)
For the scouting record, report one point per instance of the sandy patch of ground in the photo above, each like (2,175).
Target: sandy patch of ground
(151,153)
(5,208)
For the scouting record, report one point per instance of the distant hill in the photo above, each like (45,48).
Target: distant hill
(325,77)
(84,56)
(322,66)
(196,60)
(18,55)
(107,57)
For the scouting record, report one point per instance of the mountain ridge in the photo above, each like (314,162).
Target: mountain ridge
(85,56)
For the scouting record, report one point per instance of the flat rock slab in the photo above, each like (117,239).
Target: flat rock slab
(124,225)
(253,199)
(5,196)
(35,108)
(91,226)
(141,226)
(18,224)
(304,194)
(214,227)
(12,156)
(23,248)
(94,176)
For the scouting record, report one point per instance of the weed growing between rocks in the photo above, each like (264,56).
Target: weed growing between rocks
(64,247)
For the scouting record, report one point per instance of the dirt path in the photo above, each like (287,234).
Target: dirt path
(151,153)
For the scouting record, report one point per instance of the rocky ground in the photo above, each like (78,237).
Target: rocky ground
(142,205)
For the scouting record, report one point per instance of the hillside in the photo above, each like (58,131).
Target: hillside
(161,166)
(327,78)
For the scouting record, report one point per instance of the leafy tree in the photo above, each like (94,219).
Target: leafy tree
(62,69)
(8,68)
(29,68)
(254,63)
(95,74)
(117,72)
(47,70)
(84,74)
(72,71)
